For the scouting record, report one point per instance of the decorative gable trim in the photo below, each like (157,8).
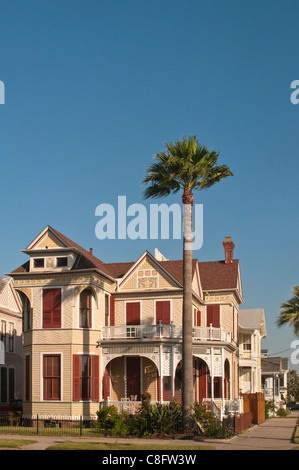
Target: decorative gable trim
(47,230)
(147,256)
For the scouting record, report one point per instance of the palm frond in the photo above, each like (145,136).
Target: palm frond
(184,164)
(289,314)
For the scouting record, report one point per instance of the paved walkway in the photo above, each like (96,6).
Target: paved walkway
(274,434)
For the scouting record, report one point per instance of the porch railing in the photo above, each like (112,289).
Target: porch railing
(199,333)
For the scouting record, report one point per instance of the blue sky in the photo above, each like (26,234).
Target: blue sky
(94,88)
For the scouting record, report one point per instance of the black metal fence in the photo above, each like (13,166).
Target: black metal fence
(17,424)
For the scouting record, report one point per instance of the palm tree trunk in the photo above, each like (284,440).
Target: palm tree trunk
(187,357)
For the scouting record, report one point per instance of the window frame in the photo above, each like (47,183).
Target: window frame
(52,378)
(38,259)
(89,310)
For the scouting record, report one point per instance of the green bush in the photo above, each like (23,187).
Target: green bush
(208,422)
(156,419)
(282,412)
(269,408)
(111,422)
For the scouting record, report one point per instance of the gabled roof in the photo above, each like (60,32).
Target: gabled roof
(253,319)
(214,275)
(9,299)
(167,270)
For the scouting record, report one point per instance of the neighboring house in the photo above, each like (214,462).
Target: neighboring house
(11,386)
(96,331)
(275,372)
(252,328)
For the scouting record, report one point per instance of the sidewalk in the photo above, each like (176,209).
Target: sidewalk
(273,434)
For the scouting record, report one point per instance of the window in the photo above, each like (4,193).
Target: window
(3,383)
(213,315)
(52,308)
(167,392)
(109,310)
(197,317)
(133,313)
(11,384)
(11,338)
(163,312)
(51,377)
(3,332)
(85,308)
(85,377)
(217,387)
(246,343)
(26,314)
(39,262)
(61,262)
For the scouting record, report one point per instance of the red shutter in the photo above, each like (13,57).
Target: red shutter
(112,310)
(197,317)
(56,312)
(213,316)
(133,313)
(95,379)
(76,377)
(163,312)
(47,308)
(52,308)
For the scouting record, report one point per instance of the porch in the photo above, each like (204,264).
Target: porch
(161,331)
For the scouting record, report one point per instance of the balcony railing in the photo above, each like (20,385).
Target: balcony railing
(199,333)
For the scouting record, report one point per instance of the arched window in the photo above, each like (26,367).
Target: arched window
(85,308)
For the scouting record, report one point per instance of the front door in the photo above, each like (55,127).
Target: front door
(133,377)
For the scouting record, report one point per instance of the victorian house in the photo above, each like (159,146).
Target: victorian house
(10,344)
(109,332)
(252,329)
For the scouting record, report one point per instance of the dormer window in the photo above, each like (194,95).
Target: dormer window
(61,262)
(39,262)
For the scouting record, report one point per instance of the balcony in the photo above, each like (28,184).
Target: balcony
(140,332)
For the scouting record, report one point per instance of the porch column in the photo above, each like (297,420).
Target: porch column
(212,373)
(172,365)
(223,375)
(161,372)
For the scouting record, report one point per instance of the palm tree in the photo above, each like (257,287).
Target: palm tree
(289,313)
(185,165)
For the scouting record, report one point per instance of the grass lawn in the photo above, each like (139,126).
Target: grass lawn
(14,443)
(116,446)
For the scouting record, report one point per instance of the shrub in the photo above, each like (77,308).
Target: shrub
(282,412)
(156,419)
(111,422)
(269,408)
(208,422)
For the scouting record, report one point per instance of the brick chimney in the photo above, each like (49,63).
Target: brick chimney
(229,246)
